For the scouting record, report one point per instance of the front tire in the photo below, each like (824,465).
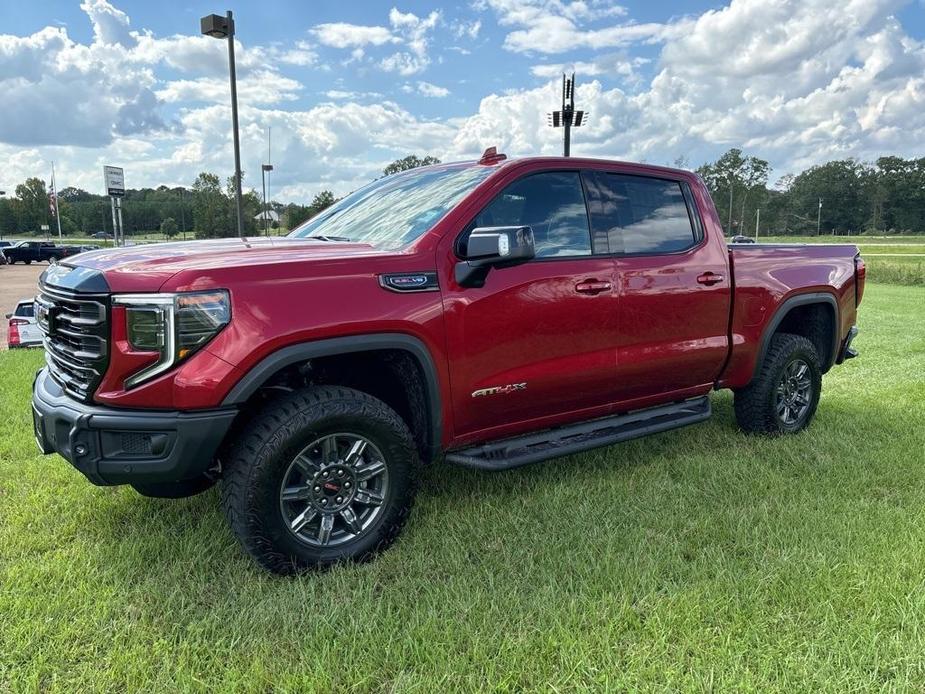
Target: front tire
(322,475)
(783,397)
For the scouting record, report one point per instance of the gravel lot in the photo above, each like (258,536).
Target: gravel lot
(16,282)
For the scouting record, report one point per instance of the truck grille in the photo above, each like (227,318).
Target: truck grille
(76,330)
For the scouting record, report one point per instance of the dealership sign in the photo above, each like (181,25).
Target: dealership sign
(114,181)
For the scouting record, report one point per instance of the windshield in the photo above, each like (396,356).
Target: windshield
(395,210)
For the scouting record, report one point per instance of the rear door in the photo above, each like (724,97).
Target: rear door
(536,343)
(673,280)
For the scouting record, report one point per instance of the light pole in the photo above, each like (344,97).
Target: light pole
(264,170)
(818,216)
(2,193)
(219,27)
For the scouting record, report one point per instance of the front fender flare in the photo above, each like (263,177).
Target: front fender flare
(306,351)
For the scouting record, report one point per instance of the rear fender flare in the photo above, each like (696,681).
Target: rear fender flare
(785,307)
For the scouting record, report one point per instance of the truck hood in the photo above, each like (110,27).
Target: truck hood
(148,267)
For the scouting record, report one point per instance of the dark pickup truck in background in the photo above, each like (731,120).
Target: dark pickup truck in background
(489,314)
(37,251)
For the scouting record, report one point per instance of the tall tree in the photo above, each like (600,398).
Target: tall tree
(31,205)
(210,207)
(412,161)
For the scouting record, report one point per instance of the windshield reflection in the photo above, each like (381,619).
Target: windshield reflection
(395,210)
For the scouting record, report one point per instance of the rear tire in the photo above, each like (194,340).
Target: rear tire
(783,396)
(297,497)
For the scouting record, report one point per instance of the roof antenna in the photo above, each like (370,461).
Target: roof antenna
(568,117)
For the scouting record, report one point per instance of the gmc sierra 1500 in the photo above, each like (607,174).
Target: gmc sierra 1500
(489,313)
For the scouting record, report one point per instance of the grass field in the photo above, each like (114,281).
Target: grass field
(693,560)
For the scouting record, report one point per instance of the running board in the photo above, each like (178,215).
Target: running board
(575,438)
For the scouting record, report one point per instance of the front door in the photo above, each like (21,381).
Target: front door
(535,345)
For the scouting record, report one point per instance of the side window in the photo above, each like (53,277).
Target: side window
(552,204)
(644,215)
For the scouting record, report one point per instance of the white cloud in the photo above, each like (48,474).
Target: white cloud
(110,25)
(343,35)
(425,89)
(432,90)
(553,26)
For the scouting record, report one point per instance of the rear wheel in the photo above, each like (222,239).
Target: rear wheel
(783,397)
(322,475)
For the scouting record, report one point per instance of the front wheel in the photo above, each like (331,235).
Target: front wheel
(322,475)
(783,397)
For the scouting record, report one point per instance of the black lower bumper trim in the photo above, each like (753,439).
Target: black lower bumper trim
(119,446)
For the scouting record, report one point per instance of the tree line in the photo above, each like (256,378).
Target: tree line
(845,196)
(204,210)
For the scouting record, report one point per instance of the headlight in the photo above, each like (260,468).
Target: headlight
(173,325)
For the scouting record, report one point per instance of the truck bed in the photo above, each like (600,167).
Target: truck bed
(767,275)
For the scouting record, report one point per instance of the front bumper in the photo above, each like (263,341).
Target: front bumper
(121,446)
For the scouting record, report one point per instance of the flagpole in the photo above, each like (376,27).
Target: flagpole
(54,194)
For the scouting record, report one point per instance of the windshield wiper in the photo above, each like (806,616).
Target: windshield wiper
(328,238)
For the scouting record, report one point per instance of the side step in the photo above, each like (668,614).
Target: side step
(575,438)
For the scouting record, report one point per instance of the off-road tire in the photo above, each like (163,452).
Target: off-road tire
(755,405)
(176,490)
(255,463)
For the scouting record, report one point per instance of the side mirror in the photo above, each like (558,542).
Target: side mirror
(494,247)
(9,315)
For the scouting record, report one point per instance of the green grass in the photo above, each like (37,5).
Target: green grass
(693,560)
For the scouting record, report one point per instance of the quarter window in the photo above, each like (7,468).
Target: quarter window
(644,215)
(552,204)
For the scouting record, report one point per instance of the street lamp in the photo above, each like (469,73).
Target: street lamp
(2,193)
(219,27)
(264,170)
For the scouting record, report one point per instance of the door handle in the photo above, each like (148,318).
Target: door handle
(710,278)
(592,287)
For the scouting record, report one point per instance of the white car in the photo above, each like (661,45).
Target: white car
(23,330)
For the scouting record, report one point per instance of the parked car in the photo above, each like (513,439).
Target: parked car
(22,330)
(103,235)
(33,251)
(487,314)
(742,239)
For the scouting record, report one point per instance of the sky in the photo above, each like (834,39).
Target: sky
(346,87)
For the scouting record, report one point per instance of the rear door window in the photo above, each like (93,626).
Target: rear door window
(642,215)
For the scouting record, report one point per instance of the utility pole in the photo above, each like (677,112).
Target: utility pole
(265,170)
(220,28)
(54,197)
(729,225)
(568,117)
(818,216)
(757,222)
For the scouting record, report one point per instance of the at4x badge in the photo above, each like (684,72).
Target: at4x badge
(499,390)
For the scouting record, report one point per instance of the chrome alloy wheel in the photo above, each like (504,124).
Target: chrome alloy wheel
(794,393)
(334,490)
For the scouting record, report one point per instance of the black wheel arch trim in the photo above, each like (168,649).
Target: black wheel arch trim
(351,344)
(785,307)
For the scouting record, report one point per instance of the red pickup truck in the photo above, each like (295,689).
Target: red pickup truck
(489,313)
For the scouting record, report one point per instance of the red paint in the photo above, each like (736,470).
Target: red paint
(589,336)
